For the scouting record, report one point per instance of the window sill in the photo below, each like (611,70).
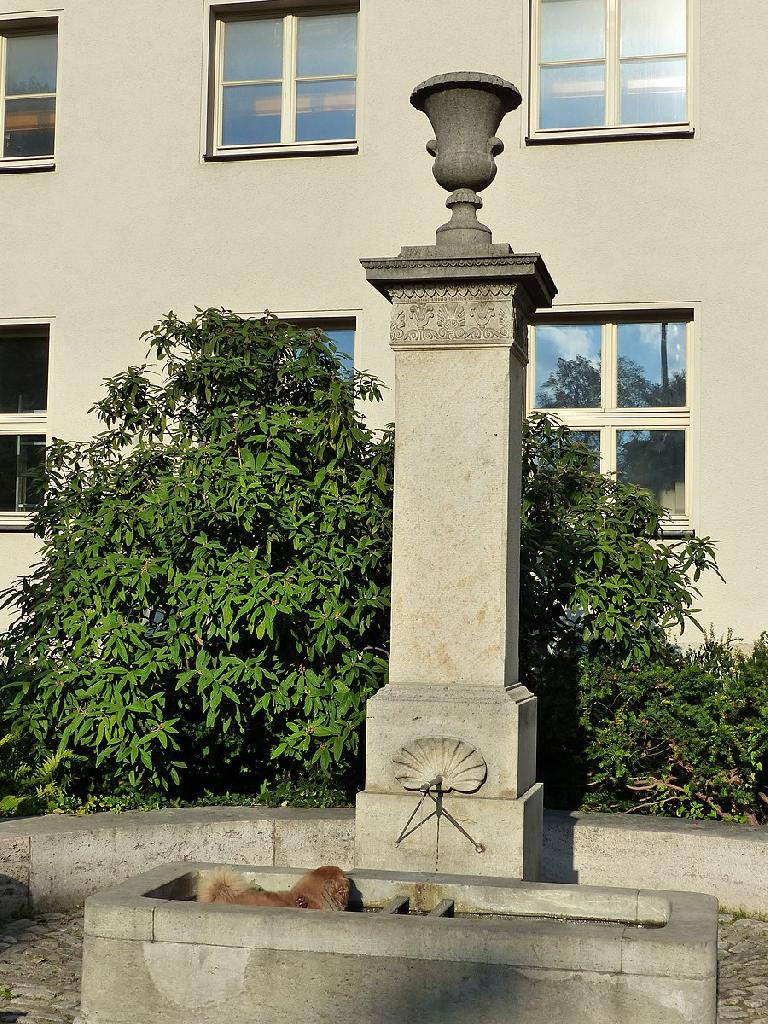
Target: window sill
(15,522)
(632,133)
(297,149)
(674,531)
(16,166)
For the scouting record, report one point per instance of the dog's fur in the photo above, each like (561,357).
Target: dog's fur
(325,888)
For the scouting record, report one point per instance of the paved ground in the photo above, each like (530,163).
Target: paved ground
(743,994)
(40,969)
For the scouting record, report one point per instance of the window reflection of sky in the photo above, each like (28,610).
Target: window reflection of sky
(344,340)
(646,346)
(643,344)
(567,342)
(572,96)
(31,64)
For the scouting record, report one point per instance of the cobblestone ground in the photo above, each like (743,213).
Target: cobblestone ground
(40,969)
(743,992)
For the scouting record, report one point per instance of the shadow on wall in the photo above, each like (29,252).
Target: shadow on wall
(401,991)
(558,854)
(14,897)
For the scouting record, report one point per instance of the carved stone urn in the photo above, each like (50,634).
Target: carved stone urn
(465,109)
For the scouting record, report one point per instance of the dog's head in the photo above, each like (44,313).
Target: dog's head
(325,888)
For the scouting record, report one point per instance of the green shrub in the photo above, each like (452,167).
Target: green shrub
(211,608)
(30,783)
(314,790)
(599,594)
(213,590)
(687,736)
(594,577)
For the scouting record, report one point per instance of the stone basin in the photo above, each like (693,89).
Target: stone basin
(511,952)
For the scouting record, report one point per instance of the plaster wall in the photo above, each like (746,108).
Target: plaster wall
(133,222)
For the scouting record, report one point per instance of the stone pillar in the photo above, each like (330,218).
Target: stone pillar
(451,740)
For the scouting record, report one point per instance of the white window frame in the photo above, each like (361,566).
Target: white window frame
(34,23)
(289,12)
(609,418)
(25,423)
(612,61)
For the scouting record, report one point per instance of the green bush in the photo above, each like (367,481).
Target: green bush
(599,594)
(594,577)
(212,598)
(687,736)
(210,611)
(30,783)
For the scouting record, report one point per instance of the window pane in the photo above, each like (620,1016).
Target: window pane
(572,96)
(23,374)
(572,29)
(651,365)
(590,438)
(327,46)
(19,456)
(29,127)
(251,115)
(654,459)
(649,27)
(253,49)
(344,340)
(568,366)
(653,91)
(325,110)
(30,64)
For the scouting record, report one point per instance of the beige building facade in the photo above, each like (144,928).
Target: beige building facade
(167,154)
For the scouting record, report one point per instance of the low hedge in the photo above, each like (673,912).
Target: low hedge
(686,735)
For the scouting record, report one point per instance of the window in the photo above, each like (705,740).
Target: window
(285,80)
(23,405)
(622,385)
(610,64)
(343,337)
(340,330)
(28,67)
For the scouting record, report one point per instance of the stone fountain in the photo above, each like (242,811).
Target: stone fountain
(447,920)
(455,725)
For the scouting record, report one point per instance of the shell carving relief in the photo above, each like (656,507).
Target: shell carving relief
(460,766)
(439,314)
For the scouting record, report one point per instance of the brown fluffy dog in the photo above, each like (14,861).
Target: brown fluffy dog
(325,888)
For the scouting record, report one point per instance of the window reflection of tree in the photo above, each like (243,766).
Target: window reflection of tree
(637,390)
(575,384)
(654,459)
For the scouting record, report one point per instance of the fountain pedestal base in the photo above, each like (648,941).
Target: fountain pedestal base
(473,835)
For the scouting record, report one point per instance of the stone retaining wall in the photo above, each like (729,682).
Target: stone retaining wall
(54,862)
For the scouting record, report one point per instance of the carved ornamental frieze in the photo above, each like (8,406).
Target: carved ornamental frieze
(460,314)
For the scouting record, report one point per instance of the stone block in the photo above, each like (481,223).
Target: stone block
(68,866)
(686,948)
(727,861)
(500,724)
(276,966)
(112,917)
(455,549)
(14,875)
(509,832)
(310,839)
